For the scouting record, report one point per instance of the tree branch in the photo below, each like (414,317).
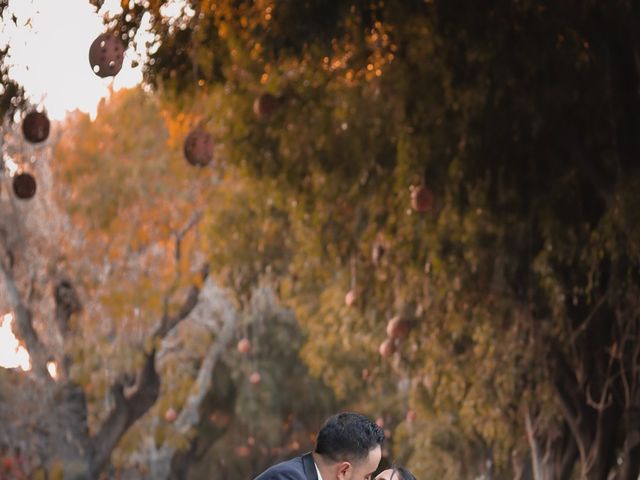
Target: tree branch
(195,218)
(169,322)
(179,236)
(129,407)
(189,417)
(631,448)
(569,456)
(587,321)
(67,303)
(24,323)
(534,446)
(573,408)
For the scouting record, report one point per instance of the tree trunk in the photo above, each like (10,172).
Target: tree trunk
(213,390)
(631,448)
(593,429)
(553,453)
(55,412)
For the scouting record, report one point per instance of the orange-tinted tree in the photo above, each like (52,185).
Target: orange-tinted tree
(521,277)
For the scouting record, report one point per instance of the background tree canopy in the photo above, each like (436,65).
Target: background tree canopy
(515,274)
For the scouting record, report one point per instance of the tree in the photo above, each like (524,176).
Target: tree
(143,341)
(164,189)
(522,278)
(48,418)
(12,97)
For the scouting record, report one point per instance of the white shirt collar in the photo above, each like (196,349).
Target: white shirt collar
(318,471)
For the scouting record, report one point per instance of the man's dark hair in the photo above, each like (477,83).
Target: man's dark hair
(348,437)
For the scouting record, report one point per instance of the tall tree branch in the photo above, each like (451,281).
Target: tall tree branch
(534,446)
(572,405)
(169,322)
(179,236)
(189,416)
(193,221)
(67,303)
(129,407)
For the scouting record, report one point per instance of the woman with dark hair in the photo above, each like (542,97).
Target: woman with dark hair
(395,473)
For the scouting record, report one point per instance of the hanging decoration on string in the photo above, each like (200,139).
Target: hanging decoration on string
(106,55)
(255,378)
(421,196)
(198,147)
(265,105)
(199,144)
(352,295)
(398,327)
(387,348)
(35,127)
(170,415)
(244,345)
(24,186)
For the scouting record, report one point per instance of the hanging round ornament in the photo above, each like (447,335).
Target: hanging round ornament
(398,327)
(244,345)
(255,378)
(265,105)
(24,186)
(106,55)
(421,198)
(387,348)
(198,148)
(35,127)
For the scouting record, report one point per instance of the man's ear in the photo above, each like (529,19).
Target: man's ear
(344,471)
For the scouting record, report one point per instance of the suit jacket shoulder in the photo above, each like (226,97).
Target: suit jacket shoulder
(299,468)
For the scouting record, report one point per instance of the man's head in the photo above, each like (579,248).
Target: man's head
(349,447)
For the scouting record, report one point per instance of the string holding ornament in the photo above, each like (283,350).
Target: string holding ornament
(352,294)
(255,378)
(244,345)
(199,144)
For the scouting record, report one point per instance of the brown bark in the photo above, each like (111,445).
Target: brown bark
(67,303)
(553,452)
(631,448)
(129,407)
(594,427)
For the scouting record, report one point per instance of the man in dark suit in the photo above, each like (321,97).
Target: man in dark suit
(348,447)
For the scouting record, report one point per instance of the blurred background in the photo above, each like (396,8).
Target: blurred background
(222,221)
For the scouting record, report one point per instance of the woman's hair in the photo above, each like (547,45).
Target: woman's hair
(401,473)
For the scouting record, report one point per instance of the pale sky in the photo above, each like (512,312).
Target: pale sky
(50,54)
(12,354)
(49,57)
